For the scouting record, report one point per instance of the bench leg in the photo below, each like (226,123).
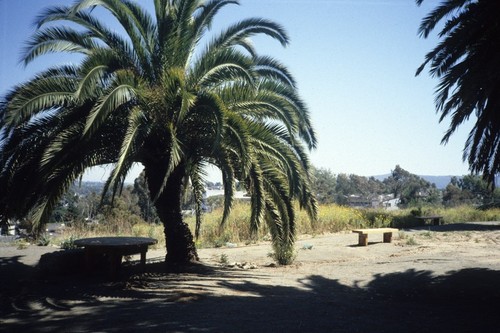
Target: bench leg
(436,221)
(387,237)
(363,240)
(143,259)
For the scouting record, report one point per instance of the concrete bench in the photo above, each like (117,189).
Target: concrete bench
(363,234)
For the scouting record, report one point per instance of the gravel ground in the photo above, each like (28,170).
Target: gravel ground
(429,279)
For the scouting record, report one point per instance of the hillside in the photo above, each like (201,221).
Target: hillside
(440,181)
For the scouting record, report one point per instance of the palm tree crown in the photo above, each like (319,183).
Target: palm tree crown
(466,61)
(166,96)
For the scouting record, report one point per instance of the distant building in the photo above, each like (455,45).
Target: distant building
(386,201)
(359,201)
(391,204)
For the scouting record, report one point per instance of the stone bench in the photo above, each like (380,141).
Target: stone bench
(363,234)
(114,248)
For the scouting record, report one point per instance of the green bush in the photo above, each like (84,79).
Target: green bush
(283,254)
(68,243)
(43,240)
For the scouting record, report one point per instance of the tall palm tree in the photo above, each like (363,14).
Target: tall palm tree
(163,95)
(467,63)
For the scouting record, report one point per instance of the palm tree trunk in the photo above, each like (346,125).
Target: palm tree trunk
(178,237)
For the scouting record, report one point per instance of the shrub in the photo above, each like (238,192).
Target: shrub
(283,254)
(224,259)
(411,241)
(68,244)
(43,240)
(22,244)
(150,230)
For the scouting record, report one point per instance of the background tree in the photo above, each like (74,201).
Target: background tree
(453,195)
(165,96)
(68,208)
(466,62)
(366,186)
(411,189)
(343,189)
(470,190)
(324,185)
(120,212)
(90,204)
(148,211)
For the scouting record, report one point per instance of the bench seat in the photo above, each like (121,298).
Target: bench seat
(363,234)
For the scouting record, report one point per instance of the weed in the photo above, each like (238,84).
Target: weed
(219,243)
(22,244)
(68,244)
(223,259)
(43,240)
(428,234)
(411,241)
(283,254)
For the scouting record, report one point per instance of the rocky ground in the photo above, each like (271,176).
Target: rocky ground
(429,279)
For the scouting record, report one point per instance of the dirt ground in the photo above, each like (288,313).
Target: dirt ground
(429,279)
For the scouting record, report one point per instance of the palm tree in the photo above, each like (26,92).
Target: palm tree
(165,96)
(466,62)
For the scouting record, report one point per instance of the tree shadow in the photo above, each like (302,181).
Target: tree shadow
(204,298)
(12,275)
(469,226)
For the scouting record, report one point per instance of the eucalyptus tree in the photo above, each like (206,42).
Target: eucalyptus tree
(168,94)
(466,62)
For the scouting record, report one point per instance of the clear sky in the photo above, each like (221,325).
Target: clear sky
(355,63)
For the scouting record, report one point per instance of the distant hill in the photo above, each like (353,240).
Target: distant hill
(86,188)
(440,181)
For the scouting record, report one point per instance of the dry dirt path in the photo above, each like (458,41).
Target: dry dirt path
(435,279)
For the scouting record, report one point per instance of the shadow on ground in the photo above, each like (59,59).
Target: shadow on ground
(470,226)
(213,299)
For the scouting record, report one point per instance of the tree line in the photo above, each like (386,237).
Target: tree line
(83,203)
(411,189)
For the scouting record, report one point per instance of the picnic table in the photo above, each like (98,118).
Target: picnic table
(434,219)
(114,248)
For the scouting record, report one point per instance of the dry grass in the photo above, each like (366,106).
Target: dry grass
(331,218)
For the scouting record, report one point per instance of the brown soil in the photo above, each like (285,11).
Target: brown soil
(432,279)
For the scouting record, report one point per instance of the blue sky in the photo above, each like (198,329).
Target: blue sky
(354,61)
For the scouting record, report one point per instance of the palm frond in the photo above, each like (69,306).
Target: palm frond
(220,68)
(198,175)
(127,153)
(441,11)
(175,158)
(121,92)
(240,31)
(54,40)
(465,61)
(210,9)
(39,95)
